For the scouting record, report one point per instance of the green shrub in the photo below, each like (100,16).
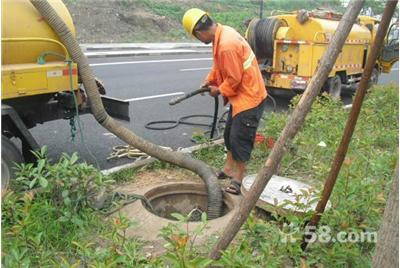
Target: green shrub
(48,220)
(358,198)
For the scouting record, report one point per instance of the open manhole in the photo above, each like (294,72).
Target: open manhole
(180,197)
(168,199)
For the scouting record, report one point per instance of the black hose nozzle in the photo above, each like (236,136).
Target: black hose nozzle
(188,95)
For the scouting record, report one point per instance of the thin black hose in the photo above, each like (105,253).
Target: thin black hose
(214,124)
(188,95)
(170,124)
(175,123)
(217,123)
(273,102)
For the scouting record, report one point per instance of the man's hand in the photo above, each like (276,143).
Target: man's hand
(214,91)
(205,84)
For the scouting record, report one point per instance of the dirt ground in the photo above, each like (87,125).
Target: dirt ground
(116,21)
(147,178)
(119,21)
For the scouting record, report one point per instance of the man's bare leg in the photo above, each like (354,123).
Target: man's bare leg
(237,177)
(229,166)
(240,170)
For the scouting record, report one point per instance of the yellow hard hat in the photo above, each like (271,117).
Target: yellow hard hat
(190,19)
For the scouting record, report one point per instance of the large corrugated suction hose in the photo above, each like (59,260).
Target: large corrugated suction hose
(261,36)
(176,158)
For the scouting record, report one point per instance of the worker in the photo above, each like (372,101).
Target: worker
(236,76)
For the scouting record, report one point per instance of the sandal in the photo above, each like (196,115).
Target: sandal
(221,175)
(234,187)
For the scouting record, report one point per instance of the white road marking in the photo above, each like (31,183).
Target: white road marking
(148,61)
(194,69)
(108,134)
(395,69)
(155,96)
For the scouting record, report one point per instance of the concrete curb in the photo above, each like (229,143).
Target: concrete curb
(133,46)
(158,52)
(143,49)
(149,160)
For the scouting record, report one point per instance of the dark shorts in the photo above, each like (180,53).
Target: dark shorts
(240,132)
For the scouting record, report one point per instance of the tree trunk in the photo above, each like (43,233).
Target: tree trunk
(294,124)
(387,248)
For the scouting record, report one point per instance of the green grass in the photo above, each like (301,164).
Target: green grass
(358,197)
(56,227)
(124,175)
(231,13)
(173,11)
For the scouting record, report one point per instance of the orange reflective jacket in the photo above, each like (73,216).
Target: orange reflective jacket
(235,70)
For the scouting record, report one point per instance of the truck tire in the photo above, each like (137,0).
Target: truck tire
(334,86)
(9,156)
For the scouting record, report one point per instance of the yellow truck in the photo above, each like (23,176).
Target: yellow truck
(289,48)
(39,81)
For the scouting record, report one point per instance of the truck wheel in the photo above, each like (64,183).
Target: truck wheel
(9,156)
(334,86)
(373,80)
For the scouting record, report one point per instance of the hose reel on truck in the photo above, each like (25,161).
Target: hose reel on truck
(261,36)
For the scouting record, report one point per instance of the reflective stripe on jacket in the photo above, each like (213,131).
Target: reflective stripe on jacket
(235,70)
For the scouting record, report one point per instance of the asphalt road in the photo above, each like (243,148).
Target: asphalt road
(142,80)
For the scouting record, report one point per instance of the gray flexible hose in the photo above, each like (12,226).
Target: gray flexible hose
(261,36)
(214,209)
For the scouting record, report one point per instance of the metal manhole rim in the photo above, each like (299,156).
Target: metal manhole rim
(154,217)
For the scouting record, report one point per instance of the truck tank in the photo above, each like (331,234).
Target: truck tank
(317,29)
(35,78)
(39,82)
(25,35)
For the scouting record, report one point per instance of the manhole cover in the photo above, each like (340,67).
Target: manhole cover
(286,193)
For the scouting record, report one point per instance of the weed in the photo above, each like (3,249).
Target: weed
(214,156)
(180,242)
(124,175)
(199,137)
(48,221)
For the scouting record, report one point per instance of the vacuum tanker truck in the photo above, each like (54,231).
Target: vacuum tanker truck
(289,47)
